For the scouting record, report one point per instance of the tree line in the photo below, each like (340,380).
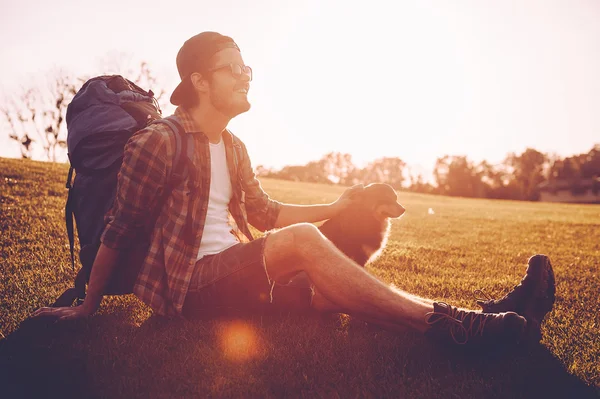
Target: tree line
(35,117)
(517,177)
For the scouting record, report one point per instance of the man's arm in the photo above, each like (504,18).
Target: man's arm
(105,261)
(291,214)
(141,181)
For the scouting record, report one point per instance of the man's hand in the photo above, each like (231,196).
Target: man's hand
(347,197)
(66,313)
(291,214)
(105,261)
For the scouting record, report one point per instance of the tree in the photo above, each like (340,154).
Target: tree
(457,176)
(35,116)
(14,123)
(528,172)
(418,185)
(40,111)
(590,166)
(497,181)
(311,172)
(388,170)
(338,167)
(263,171)
(139,72)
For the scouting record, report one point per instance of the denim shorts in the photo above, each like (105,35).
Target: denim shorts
(235,282)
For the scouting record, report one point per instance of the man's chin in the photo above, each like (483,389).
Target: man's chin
(240,109)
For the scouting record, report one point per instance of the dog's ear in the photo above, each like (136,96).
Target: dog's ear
(359,196)
(394,210)
(383,201)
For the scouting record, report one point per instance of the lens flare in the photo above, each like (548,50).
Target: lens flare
(238,341)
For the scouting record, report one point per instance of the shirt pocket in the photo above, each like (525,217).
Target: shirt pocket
(176,207)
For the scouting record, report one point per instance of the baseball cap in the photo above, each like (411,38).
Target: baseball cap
(194,56)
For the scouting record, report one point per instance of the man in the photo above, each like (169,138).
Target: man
(203,258)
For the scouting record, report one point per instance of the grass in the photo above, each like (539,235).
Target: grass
(123,351)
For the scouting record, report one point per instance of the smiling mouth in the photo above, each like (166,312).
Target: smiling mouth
(244,91)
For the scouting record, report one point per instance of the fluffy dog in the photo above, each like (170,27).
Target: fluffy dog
(361,230)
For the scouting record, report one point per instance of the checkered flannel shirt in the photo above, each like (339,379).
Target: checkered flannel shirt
(165,275)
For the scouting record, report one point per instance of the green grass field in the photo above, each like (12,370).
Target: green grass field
(466,244)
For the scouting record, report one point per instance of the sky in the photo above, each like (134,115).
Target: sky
(413,79)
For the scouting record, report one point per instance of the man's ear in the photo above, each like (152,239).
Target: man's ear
(199,82)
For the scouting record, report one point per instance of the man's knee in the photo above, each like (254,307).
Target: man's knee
(288,250)
(306,238)
(295,240)
(305,232)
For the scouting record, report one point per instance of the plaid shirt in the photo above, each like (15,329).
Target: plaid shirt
(165,275)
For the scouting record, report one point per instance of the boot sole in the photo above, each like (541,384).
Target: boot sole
(540,266)
(535,308)
(545,274)
(540,271)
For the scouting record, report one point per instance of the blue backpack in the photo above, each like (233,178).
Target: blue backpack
(103,115)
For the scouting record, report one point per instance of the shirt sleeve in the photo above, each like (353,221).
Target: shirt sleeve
(262,210)
(141,182)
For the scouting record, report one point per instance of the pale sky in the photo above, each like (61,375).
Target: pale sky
(411,79)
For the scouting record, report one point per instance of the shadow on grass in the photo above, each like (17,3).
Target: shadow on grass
(105,356)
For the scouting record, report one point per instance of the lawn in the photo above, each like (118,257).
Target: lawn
(446,253)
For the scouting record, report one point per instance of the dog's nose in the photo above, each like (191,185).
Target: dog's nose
(401,209)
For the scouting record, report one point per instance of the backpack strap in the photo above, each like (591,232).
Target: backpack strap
(69,217)
(184,148)
(184,151)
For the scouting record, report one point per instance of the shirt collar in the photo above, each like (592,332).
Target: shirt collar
(186,121)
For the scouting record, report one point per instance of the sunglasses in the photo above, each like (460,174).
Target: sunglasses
(236,70)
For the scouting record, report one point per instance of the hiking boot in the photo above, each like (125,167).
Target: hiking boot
(533,298)
(462,326)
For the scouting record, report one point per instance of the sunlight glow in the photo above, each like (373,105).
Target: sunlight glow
(238,341)
(410,79)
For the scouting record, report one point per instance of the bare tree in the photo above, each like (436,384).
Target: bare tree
(35,116)
(139,72)
(58,94)
(16,125)
(39,111)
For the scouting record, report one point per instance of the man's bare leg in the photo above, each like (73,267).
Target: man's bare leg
(344,286)
(320,304)
(341,282)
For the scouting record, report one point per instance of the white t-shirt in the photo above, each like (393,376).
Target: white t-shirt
(217,235)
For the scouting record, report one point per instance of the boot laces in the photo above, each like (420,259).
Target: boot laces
(455,319)
(482,296)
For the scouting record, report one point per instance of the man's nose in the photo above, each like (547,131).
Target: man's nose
(245,77)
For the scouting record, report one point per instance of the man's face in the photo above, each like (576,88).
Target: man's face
(228,93)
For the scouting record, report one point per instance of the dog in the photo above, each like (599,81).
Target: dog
(362,229)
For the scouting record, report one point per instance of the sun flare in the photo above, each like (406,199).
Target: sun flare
(239,341)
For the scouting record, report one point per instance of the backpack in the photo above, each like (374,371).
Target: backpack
(101,118)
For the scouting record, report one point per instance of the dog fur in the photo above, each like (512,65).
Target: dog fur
(361,230)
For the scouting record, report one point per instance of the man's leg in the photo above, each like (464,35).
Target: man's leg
(340,285)
(340,281)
